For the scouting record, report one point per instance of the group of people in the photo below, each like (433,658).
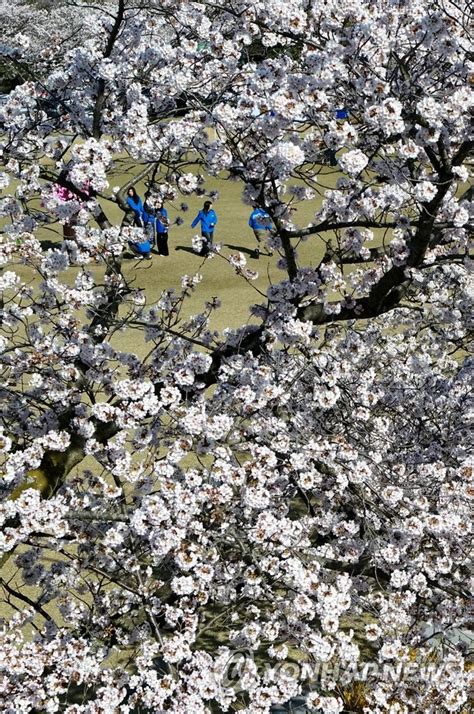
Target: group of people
(152,216)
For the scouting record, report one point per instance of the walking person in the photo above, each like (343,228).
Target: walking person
(208,219)
(262,226)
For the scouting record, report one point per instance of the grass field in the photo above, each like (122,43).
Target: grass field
(218,277)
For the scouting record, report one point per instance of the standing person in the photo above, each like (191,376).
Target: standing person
(156,221)
(149,218)
(262,226)
(208,219)
(140,249)
(64,194)
(330,154)
(161,226)
(135,203)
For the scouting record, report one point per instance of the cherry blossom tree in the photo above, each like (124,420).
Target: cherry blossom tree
(46,27)
(210,527)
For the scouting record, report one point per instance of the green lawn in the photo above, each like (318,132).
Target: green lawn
(218,277)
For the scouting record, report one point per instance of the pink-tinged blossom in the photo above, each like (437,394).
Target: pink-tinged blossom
(425,191)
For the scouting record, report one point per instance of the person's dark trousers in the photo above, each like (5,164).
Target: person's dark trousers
(330,156)
(207,241)
(69,232)
(162,243)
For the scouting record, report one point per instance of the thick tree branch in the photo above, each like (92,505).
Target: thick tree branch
(100,100)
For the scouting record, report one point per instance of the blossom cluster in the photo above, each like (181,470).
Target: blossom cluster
(297,488)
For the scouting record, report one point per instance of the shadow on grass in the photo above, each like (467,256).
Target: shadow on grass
(46,244)
(137,258)
(242,249)
(186,249)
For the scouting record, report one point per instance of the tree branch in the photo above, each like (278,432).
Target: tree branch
(100,100)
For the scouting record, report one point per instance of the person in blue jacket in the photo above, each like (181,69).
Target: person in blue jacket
(208,219)
(161,226)
(143,248)
(136,204)
(262,226)
(156,221)
(330,154)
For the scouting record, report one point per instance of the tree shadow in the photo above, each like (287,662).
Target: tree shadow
(47,244)
(186,249)
(248,251)
(128,255)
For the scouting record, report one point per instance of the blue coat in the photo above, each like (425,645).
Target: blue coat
(260,220)
(208,220)
(137,208)
(161,227)
(142,248)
